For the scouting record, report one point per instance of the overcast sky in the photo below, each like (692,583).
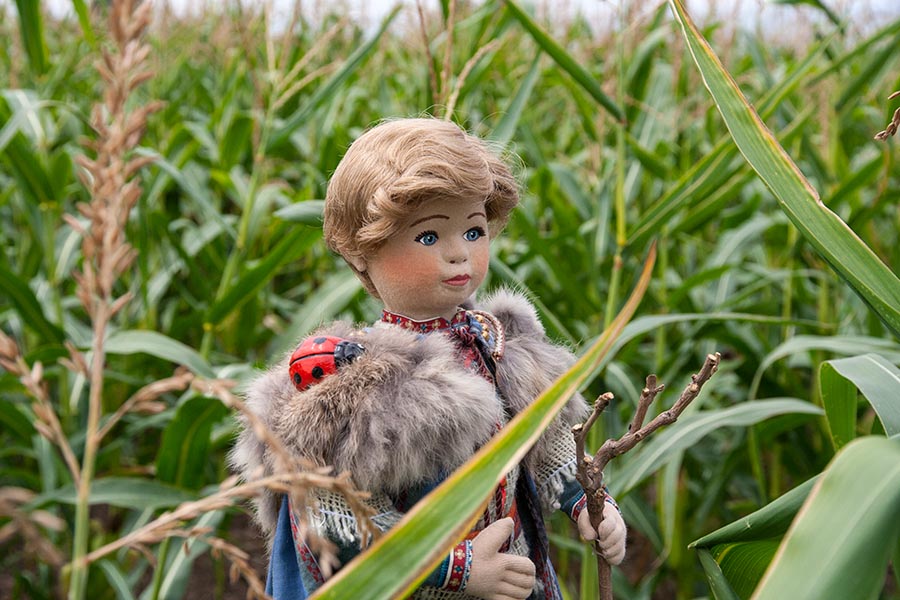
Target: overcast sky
(865,15)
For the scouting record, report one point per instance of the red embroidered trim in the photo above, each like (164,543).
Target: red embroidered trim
(458,573)
(578,508)
(428,326)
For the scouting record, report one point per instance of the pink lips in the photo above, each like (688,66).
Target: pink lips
(458,280)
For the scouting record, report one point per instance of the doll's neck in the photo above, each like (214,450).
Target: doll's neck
(423,326)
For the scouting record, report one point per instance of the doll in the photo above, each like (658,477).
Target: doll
(411,208)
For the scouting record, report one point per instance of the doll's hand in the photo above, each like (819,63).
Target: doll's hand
(495,575)
(611,533)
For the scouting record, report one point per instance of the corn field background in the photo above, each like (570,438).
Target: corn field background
(161,185)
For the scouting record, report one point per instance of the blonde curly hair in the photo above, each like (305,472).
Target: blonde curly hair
(396,165)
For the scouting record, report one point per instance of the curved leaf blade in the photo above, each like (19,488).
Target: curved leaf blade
(689,429)
(160,346)
(183,452)
(399,560)
(855,262)
(124,492)
(327,90)
(28,307)
(846,530)
(296,242)
(879,382)
(565,60)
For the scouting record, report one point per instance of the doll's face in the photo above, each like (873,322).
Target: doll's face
(436,261)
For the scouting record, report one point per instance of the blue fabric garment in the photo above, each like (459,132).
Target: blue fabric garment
(283,580)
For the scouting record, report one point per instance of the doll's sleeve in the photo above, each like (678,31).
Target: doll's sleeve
(555,476)
(333,519)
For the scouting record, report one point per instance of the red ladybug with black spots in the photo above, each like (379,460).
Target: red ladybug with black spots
(319,356)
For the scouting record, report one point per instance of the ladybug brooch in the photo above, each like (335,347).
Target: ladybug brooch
(319,356)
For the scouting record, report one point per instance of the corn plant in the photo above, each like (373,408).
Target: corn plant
(750,164)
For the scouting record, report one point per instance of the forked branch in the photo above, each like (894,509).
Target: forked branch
(590,468)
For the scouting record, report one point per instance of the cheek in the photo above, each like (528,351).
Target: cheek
(402,269)
(480,261)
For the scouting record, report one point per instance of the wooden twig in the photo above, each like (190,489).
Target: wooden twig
(590,468)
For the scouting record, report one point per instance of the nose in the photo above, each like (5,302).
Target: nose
(456,253)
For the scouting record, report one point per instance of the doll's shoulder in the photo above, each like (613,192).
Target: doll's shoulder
(514,313)
(400,412)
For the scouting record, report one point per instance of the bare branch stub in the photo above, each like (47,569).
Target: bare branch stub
(589,471)
(891,128)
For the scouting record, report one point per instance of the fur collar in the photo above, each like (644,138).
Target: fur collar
(406,411)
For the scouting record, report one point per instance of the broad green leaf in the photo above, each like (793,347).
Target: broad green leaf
(116,579)
(14,420)
(818,4)
(689,429)
(160,346)
(566,61)
(297,241)
(505,129)
(845,533)
(845,344)
(28,307)
(84,20)
(31,28)
(839,401)
(308,212)
(743,564)
(397,562)
(877,379)
(124,492)
(328,90)
(324,303)
(709,174)
(184,449)
(717,582)
(178,569)
(770,521)
(828,234)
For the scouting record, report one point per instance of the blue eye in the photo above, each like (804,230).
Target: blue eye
(427,238)
(473,234)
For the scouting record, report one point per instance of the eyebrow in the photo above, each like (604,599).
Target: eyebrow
(417,221)
(475,214)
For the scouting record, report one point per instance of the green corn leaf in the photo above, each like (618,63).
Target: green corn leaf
(743,564)
(159,345)
(689,429)
(876,378)
(844,344)
(28,307)
(176,581)
(823,229)
(840,543)
(566,61)
(327,91)
(328,300)
(31,28)
(710,173)
(124,492)
(505,129)
(84,20)
(839,401)
(717,581)
(297,241)
(116,578)
(770,521)
(398,561)
(308,212)
(185,442)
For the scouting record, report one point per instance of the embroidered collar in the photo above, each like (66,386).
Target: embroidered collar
(436,324)
(471,326)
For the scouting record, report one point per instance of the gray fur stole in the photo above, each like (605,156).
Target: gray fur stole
(407,410)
